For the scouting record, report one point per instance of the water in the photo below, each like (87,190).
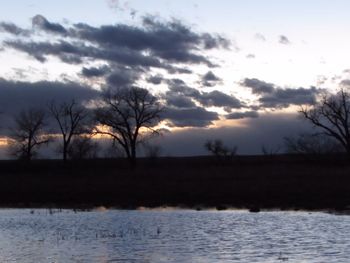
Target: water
(172,236)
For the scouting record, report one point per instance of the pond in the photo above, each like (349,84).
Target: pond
(42,235)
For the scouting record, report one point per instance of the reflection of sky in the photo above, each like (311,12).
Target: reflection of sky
(183,236)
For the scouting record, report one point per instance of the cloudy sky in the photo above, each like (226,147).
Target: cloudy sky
(235,70)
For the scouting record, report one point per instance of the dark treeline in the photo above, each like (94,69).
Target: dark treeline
(129,117)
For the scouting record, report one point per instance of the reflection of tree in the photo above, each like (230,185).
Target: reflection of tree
(129,114)
(332,116)
(28,134)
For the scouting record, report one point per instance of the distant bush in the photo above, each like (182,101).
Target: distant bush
(218,149)
(311,144)
(152,151)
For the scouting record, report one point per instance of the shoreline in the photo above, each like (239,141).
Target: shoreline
(56,209)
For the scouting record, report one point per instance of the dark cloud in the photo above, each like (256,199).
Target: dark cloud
(15,95)
(169,45)
(95,71)
(282,98)
(193,117)
(180,87)
(41,22)
(242,115)
(208,99)
(258,86)
(171,41)
(283,40)
(272,96)
(179,101)
(18,95)
(13,29)
(174,70)
(219,99)
(122,77)
(77,52)
(210,79)
(156,79)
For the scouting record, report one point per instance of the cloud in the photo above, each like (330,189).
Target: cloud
(13,29)
(219,99)
(76,53)
(345,83)
(260,37)
(283,98)
(19,95)
(210,79)
(271,96)
(122,77)
(179,86)
(208,99)
(41,22)
(242,115)
(193,117)
(15,95)
(179,101)
(250,56)
(258,86)
(95,71)
(283,40)
(168,45)
(171,41)
(155,79)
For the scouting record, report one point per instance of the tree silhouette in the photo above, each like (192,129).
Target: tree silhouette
(28,135)
(83,147)
(218,149)
(332,115)
(71,119)
(314,144)
(129,116)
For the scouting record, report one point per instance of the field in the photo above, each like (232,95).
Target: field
(252,182)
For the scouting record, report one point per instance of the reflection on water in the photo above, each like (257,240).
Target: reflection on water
(172,236)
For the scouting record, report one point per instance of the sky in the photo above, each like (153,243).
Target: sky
(234,70)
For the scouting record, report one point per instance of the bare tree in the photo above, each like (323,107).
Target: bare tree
(152,151)
(83,147)
(218,149)
(28,133)
(314,144)
(71,119)
(270,151)
(129,116)
(332,116)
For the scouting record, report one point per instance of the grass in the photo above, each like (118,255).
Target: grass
(253,182)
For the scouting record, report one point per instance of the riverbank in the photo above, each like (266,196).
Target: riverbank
(250,182)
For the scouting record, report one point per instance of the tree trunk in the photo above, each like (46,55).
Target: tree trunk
(133,156)
(64,152)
